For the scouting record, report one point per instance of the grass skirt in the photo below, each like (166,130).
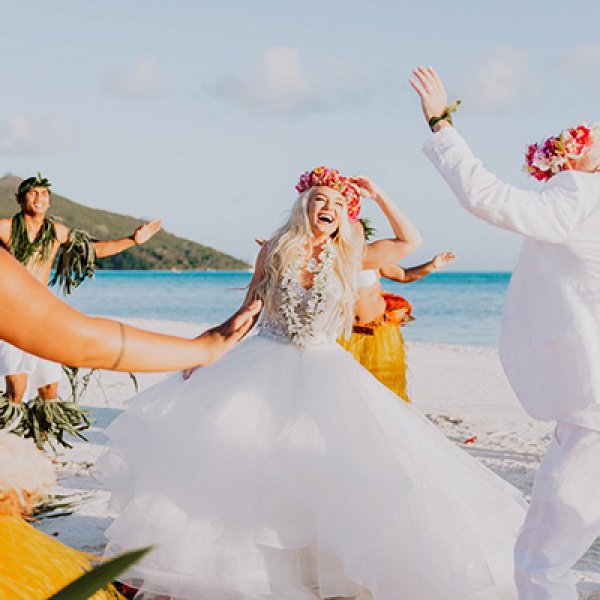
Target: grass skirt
(379,347)
(34,566)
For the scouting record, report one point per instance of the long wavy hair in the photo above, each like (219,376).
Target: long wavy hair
(292,238)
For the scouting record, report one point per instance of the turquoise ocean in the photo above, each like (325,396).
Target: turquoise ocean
(450,308)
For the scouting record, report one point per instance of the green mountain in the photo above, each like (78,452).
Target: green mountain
(163,251)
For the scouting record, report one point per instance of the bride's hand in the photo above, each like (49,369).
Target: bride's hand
(366,187)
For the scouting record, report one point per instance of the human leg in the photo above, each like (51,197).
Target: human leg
(563,518)
(43,421)
(16,366)
(16,386)
(14,414)
(48,391)
(45,376)
(50,416)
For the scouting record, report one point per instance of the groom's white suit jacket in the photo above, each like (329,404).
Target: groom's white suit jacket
(550,341)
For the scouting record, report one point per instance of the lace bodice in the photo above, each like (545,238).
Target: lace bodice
(321,328)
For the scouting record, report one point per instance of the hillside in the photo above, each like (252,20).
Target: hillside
(163,251)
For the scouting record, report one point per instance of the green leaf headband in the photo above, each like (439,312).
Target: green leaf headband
(32,182)
(445,116)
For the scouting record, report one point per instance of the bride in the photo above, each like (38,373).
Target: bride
(285,471)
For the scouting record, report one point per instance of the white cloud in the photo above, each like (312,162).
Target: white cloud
(21,135)
(280,84)
(144,82)
(498,81)
(583,63)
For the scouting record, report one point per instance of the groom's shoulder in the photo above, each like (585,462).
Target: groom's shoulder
(575,182)
(577,188)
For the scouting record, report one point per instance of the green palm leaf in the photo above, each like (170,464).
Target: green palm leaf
(100,576)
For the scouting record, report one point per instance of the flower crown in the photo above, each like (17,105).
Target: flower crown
(552,155)
(333,179)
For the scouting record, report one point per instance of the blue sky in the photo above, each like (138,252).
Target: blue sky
(204,113)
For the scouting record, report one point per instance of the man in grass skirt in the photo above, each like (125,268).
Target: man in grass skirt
(36,240)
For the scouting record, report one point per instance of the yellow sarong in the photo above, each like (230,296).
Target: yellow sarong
(34,566)
(379,347)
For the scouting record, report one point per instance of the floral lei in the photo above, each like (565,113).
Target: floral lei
(552,155)
(301,328)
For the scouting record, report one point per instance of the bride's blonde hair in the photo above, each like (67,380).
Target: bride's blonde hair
(292,239)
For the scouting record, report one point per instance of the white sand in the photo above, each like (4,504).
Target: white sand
(461,388)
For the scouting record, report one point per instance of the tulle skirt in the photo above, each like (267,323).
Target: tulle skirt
(381,351)
(292,474)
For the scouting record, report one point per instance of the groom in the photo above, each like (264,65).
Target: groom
(550,342)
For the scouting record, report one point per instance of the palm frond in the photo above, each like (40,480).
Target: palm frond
(76,261)
(100,576)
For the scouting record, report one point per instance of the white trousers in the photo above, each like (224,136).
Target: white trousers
(40,371)
(563,518)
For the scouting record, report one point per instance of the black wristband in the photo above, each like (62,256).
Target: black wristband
(445,116)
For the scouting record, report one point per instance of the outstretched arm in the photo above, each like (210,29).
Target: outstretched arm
(406,237)
(140,236)
(549,215)
(50,328)
(397,273)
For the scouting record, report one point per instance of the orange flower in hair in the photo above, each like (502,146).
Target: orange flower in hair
(333,179)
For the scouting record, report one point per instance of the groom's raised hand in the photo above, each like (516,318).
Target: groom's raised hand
(429,86)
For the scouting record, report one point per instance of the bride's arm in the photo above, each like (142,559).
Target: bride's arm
(406,237)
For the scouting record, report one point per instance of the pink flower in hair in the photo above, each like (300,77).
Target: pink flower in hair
(333,179)
(545,159)
(352,202)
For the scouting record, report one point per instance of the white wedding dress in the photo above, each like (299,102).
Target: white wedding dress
(287,472)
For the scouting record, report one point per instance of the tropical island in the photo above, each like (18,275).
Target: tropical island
(164,251)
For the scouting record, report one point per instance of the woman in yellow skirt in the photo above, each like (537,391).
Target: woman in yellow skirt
(376,340)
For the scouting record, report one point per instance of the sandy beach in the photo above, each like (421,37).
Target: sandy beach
(461,388)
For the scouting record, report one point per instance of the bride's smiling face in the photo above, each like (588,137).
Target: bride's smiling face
(324,210)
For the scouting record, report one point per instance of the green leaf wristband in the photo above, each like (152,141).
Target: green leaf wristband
(445,116)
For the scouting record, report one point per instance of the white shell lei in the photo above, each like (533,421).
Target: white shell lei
(301,307)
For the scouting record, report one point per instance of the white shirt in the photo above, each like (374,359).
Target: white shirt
(550,340)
